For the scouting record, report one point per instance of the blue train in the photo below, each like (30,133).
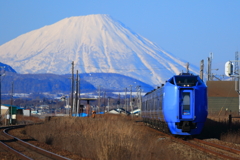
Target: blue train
(179,106)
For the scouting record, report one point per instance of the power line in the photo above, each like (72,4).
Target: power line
(131,69)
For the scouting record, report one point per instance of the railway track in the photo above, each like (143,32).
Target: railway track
(216,150)
(220,150)
(24,150)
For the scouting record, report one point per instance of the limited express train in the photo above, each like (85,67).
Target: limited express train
(178,107)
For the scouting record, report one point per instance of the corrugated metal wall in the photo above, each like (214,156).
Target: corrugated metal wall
(222,104)
(222,97)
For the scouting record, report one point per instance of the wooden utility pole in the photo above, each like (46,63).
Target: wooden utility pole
(187,67)
(1,92)
(126,98)
(140,90)
(104,101)
(11,110)
(119,101)
(131,97)
(139,97)
(79,95)
(76,96)
(99,91)
(72,89)
(201,69)
(209,70)
(0,97)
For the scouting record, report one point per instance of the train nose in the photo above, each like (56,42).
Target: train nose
(186,126)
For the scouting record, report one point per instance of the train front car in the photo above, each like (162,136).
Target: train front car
(185,104)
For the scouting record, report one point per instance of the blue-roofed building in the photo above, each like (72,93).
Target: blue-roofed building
(9,112)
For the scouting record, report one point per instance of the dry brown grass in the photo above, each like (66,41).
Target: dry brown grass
(218,127)
(105,137)
(28,119)
(121,137)
(23,120)
(231,136)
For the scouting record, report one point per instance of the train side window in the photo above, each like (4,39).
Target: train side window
(144,106)
(153,104)
(160,102)
(148,105)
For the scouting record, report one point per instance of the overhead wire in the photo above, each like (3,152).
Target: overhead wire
(131,68)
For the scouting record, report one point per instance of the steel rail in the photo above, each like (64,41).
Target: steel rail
(210,151)
(8,148)
(33,147)
(219,155)
(236,151)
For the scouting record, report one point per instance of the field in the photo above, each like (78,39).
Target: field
(218,127)
(110,137)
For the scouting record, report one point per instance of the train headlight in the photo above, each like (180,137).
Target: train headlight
(188,85)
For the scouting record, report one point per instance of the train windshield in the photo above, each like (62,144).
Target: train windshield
(186,81)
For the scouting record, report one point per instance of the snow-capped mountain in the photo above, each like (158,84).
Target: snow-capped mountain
(96,43)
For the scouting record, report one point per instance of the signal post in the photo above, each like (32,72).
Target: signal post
(230,73)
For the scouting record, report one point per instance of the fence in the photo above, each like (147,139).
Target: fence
(230,120)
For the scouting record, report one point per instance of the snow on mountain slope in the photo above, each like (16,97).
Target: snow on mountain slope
(96,43)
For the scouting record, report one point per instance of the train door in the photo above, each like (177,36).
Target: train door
(187,104)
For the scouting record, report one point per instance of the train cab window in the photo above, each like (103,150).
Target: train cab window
(186,103)
(200,82)
(186,81)
(171,81)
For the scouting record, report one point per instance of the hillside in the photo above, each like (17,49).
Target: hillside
(40,83)
(6,68)
(97,44)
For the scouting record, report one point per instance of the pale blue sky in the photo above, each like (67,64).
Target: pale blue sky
(187,29)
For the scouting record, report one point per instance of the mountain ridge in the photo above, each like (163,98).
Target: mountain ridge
(97,44)
(52,83)
(6,68)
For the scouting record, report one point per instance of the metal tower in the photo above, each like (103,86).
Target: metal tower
(236,68)
(236,72)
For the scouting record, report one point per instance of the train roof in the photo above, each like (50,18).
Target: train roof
(183,80)
(186,80)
